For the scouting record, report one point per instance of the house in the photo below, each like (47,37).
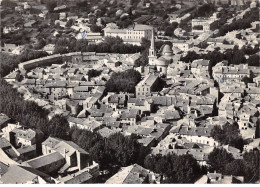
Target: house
(7,151)
(200,67)
(182,45)
(134,174)
(117,101)
(3,169)
(62,7)
(18,50)
(173,17)
(144,105)
(255,144)
(74,155)
(12,77)
(48,163)
(233,72)
(27,152)
(60,23)
(196,134)
(218,178)
(80,177)
(130,116)
(73,106)
(49,144)
(30,23)
(146,86)
(106,132)
(63,15)
(24,175)
(22,136)
(49,48)
(18,8)
(94,38)
(26,6)
(8,47)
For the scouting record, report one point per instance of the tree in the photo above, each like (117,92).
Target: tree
(41,43)
(95,28)
(191,55)
(247,80)
(50,5)
(229,134)
(8,3)
(252,161)
(169,30)
(175,169)
(69,23)
(56,127)
(218,159)
(253,60)
(236,168)
(123,81)
(93,73)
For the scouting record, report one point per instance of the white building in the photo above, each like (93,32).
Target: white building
(182,45)
(201,25)
(132,35)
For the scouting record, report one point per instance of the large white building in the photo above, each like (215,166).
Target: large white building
(132,35)
(201,25)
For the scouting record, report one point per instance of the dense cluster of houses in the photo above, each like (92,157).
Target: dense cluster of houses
(173,109)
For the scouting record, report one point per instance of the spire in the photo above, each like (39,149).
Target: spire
(152,40)
(152,52)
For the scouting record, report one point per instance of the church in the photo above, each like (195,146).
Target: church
(159,64)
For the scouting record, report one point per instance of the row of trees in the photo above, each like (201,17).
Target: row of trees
(18,38)
(249,17)
(110,45)
(233,56)
(222,161)
(29,114)
(10,62)
(123,81)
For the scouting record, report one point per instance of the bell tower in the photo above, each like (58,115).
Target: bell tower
(152,52)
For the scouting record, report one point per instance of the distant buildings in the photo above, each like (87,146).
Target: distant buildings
(218,178)
(201,25)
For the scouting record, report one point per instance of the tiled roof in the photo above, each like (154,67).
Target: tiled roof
(45,160)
